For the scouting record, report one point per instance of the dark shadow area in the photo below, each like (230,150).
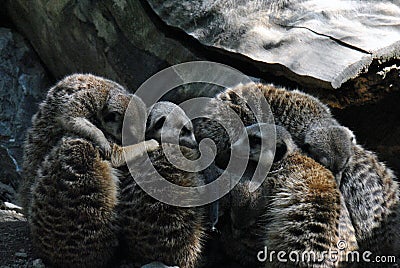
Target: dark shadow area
(377,127)
(4,19)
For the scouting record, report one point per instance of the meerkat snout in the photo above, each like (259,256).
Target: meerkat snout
(167,122)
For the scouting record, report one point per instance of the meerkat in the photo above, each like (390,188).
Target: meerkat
(81,104)
(371,192)
(297,208)
(308,120)
(72,218)
(77,187)
(178,122)
(153,230)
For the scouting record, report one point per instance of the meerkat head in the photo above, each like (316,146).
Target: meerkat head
(177,127)
(260,137)
(331,146)
(116,108)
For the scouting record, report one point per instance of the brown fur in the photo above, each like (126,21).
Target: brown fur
(154,231)
(371,192)
(73,219)
(295,185)
(308,120)
(75,105)
(297,208)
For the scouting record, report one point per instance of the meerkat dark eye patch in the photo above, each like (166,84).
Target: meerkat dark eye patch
(280,151)
(185,131)
(306,148)
(111,117)
(255,140)
(159,124)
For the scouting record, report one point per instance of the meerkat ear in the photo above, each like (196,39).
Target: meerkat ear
(111,117)
(280,151)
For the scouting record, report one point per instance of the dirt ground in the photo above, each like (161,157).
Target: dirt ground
(15,245)
(16,248)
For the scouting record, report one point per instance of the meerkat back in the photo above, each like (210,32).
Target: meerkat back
(152,230)
(73,216)
(371,192)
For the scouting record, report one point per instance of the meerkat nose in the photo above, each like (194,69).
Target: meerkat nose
(188,141)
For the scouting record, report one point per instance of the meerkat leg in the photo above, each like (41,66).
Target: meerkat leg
(86,129)
(131,152)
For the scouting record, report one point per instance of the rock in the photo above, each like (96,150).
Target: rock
(9,176)
(115,38)
(23,84)
(14,233)
(21,255)
(320,45)
(38,263)
(377,128)
(345,60)
(157,265)
(6,193)
(12,206)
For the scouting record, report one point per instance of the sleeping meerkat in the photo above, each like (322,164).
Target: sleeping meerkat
(84,105)
(298,208)
(75,189)
(308,120)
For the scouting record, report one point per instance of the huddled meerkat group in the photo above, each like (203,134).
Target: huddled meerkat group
(83,203)
(327,191)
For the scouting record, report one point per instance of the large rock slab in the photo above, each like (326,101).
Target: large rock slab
(316,44)
(345,52)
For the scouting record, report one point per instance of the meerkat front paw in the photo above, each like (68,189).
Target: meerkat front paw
(151,145)
(105,148)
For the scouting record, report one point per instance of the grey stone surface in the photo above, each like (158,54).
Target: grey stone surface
(9,176)
(314,45)
(330,41)
(114,38)
(23,84)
